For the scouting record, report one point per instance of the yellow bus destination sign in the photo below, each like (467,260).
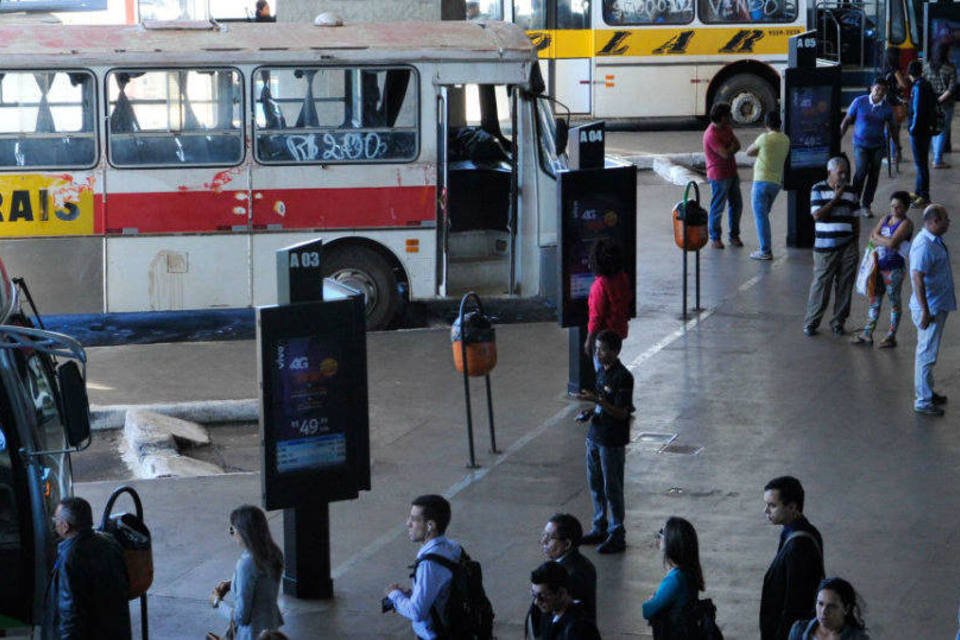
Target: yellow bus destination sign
(45,205)
(690,41)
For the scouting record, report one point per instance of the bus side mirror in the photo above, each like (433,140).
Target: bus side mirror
(563,134)
(75,406)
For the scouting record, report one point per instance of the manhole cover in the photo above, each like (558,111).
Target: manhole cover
(649,437)
(682,449)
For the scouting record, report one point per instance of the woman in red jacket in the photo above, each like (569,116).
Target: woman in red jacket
(610,294)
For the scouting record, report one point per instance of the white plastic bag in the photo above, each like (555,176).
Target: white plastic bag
(867,270)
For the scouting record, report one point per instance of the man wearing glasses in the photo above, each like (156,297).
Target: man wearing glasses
(87,595)
(561,617)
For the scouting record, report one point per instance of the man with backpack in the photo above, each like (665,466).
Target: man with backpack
(790,584)
(447,600)
(924,124)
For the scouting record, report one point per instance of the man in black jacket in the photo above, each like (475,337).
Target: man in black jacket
(88,589)
(562,618)
(790,585)
(923,103)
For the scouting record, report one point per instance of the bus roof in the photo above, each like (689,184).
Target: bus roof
(61,45)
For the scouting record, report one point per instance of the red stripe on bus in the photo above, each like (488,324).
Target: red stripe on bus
(205,211)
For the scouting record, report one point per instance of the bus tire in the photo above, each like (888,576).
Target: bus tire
(750,97)
(366,270)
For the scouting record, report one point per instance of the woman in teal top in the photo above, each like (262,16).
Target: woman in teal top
(667,610)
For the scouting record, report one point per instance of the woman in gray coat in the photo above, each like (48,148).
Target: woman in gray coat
(256,579)
(838,614)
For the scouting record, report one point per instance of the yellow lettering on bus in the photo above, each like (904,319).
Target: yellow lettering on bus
(45,205)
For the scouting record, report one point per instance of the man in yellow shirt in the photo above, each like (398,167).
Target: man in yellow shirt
(770,148)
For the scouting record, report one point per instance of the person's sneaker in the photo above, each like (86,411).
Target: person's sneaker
(866,212)
(809,331)
(929,411)
(838,330)
(735,242)
(941,165)
(862,341)
(717,244)
(596,536)
(615,544)
(888,342)
(938,399)
(918,203)
(761,255)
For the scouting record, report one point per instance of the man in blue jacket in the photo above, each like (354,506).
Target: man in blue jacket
(923,103)
(88,589)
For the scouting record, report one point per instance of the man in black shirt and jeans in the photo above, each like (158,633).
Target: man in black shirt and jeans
(606,443)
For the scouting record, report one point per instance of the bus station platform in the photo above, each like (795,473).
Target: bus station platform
(726,400)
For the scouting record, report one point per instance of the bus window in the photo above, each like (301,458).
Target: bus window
(551,159)
(484,10)
(47,119)
(174,117)
(334,115)
(50,432)
(722,11)
(573,14)
(898,25)
(638,12)
(530,14)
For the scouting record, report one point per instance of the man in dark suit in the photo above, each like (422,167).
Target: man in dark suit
(561,617)
(790,584)
(560,542)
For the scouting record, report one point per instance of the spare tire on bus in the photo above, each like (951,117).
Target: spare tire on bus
(750,97)
(369,272)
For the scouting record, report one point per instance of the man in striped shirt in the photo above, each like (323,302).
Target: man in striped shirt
(833,205)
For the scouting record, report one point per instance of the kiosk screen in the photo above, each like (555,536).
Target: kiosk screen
(810,126)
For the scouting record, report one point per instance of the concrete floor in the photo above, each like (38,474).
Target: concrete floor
(747,395)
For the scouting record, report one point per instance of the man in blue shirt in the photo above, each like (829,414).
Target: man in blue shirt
(869,114)
(933,298)
(427,523)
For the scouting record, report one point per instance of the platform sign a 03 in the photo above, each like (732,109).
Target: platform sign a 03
(314,411)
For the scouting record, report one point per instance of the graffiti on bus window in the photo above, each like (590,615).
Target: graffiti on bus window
(627,12)
(338,146)
(712,11)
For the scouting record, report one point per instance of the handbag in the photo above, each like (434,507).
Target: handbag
(866,274)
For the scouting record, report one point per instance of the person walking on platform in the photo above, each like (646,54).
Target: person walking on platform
(833,206)
(932,300)
(771,149)
(427,523)
(790,584)
(922,105)
(667,610)
(561,618)
(256,578)
(942,75)
(606,444)
(869,114)
(888,236)
(608,305)
(87,595)
(838,614)
(720,145)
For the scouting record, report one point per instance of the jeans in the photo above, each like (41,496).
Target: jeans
(928,345)
(920,146)
(762,197)
(939,142)
(725,192)
(868,163)
(605,479)
(832,267)
(892,284)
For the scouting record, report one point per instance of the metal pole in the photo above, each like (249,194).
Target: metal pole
(493,433)
(684,249)
(466,385)
(697,308)
(144,630)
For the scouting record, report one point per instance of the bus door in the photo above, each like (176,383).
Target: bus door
(49,183)
(561,31)
(175,146)
(337,155)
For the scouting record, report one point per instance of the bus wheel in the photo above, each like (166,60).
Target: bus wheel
(750,98)
(367,271)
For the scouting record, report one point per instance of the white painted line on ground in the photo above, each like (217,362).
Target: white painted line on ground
(393,533)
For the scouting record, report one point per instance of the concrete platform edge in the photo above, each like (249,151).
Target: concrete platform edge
(107,417)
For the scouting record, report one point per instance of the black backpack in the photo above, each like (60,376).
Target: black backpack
(468,614)
(703,619)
